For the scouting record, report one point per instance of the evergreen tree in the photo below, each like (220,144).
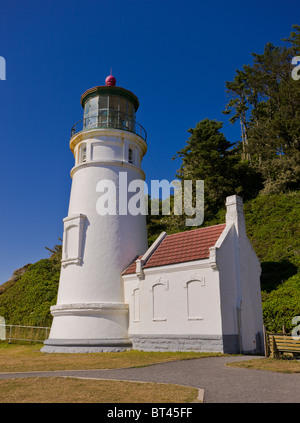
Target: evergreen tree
(209,156)
(266,100)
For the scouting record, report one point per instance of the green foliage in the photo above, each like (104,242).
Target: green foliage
(210,157)
(265,100)
(28,300)
(206,157)
(273,227)
(281,305)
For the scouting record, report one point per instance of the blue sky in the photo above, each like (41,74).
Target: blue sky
(174,55)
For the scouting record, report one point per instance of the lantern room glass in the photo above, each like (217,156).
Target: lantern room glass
(109,111)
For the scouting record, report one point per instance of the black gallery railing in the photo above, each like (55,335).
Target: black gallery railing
(95,122)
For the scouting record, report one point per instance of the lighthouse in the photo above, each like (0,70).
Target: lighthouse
(90,314)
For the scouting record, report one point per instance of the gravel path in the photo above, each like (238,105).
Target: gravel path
(221,383)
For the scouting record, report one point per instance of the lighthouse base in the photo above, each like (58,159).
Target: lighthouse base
(86,345)
(88,327)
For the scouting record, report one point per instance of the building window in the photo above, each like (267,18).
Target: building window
(82,153)
(130,156)
(159,299)
(159,302)
(136,305)
(195,299)
(73,239)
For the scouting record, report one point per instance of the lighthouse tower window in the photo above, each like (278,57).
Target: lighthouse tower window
(131,156)
(82,153)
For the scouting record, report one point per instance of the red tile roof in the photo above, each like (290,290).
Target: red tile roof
(182,247)
(131,268)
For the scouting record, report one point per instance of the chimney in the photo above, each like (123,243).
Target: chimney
(235,213)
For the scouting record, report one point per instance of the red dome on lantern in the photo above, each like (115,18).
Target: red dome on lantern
(110,81)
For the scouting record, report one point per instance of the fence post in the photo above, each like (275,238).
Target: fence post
(274,348)
(266,342)
(20,335)
(2,329)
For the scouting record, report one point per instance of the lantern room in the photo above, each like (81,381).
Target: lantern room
(109,106)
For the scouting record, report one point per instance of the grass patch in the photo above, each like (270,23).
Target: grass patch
(26,358)
(270,364)
(68,390)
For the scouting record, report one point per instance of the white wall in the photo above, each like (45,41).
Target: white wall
(174,300)
(108,242)
(240,281)
(251,309)
(228,282)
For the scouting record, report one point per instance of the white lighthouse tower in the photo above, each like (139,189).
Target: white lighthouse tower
(90,314)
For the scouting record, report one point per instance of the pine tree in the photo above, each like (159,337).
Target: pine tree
(209,156)
(266,100)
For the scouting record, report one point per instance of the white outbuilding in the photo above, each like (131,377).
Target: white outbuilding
(197,290)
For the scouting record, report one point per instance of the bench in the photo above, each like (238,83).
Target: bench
(275,345)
